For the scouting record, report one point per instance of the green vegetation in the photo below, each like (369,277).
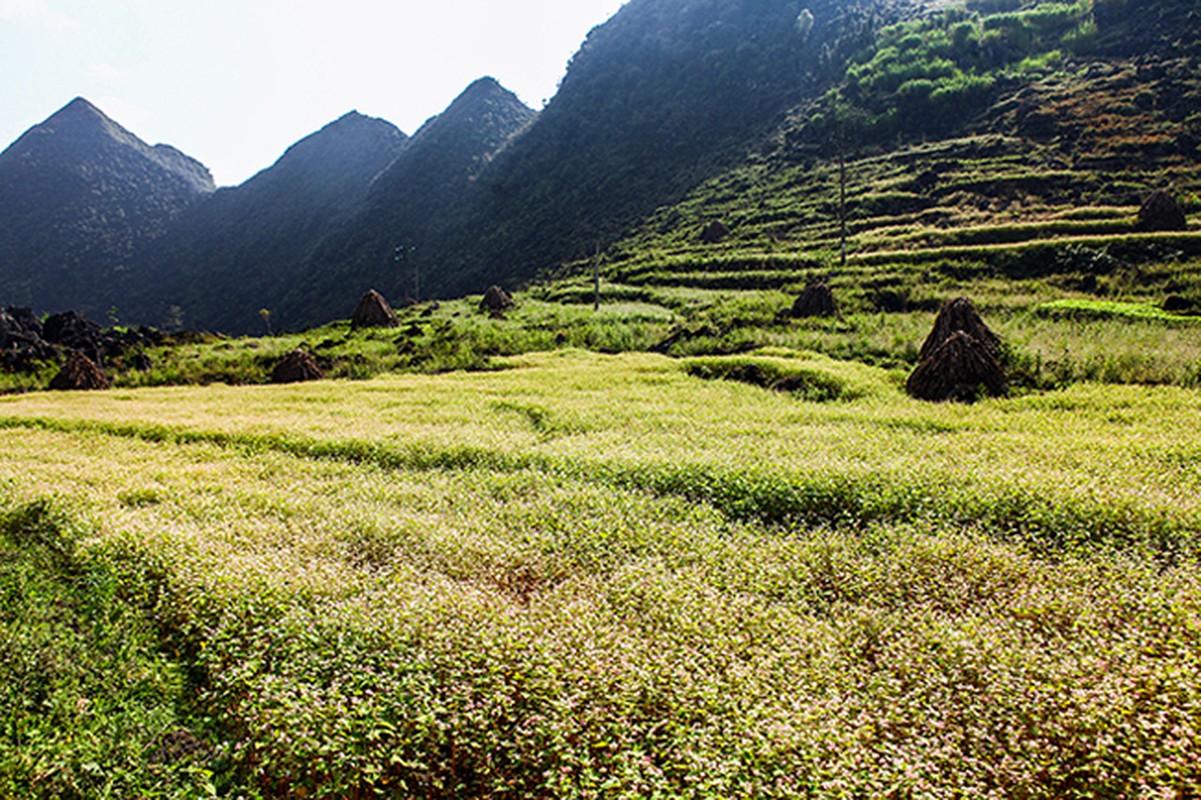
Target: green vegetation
(1103,309)
(91,705)
(811,376)
(683,545)
(591,575)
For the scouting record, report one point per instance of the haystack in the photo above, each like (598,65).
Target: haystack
(496,300)
(298,366)
(715,232)
(1161,212)
(816,301)
(79,373)
(956,370)
(960,314)
(373,311)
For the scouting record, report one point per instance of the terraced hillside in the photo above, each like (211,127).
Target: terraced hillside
(1027,204)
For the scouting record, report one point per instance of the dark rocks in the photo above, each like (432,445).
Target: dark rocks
(715,232)
(21,343)
(24,321)
(1161,212)
(75,331)
(298,366)
(960,356)
(1175,304)
(79,373)
(373,311)
(816,301)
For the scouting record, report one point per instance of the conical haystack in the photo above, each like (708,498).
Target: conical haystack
(956,370)
(960,315)
(297,366)
(715,232)
(496,300)
(1161,212)
(373,312)
(79,373)
(816,301)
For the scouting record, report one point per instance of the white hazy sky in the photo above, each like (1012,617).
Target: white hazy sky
(235,82)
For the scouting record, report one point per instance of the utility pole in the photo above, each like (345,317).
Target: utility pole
(842,191)
(401,254)
(596,259)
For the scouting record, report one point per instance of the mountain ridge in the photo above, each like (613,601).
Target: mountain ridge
(411,204)
(79,196)
(671,114)
(236,253)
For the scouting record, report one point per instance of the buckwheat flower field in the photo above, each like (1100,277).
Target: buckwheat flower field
(595,576)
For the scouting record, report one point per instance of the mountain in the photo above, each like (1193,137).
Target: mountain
(997,140)
(79,195)
(661,97)
(242,249)
(1054,118)
(412,204)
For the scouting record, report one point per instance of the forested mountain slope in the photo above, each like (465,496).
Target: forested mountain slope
(997,138)
(657,99)
(242,250)
(410,206)
(79,195)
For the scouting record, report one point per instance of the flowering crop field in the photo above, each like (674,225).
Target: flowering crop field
(601,576)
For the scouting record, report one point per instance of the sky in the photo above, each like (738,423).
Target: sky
(234,83)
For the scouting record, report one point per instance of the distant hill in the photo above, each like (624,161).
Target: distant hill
(969,129)
(657,99)
(412,204)
(243,248)
(79,195)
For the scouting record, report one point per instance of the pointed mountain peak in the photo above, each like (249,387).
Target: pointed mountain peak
(80,105)
(485,103)
(484,89)
(486,83)
(81,116)
(344,137)
(80,134)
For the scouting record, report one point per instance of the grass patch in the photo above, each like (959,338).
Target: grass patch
(89,705)
(810,376)
(1089,309)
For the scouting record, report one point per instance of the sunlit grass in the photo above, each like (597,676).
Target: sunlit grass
(588,575)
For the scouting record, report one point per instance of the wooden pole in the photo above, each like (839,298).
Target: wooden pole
(842,192)
(596,279)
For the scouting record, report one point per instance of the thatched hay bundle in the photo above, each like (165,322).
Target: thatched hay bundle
(496,300)
(298,366)
(79,373)
(1161,212)
(956,370)
(960,314)
(715,232)
(373,311)
(816,301)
